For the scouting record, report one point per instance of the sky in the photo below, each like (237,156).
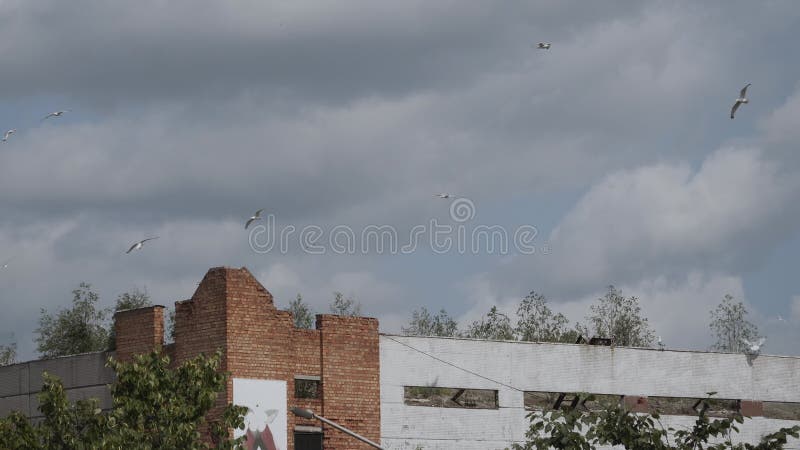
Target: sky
(608,159)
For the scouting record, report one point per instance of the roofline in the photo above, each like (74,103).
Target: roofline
(673,350)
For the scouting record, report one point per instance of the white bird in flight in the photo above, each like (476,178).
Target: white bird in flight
(754,347)
(8,134)
(55,114)
(140,244)
(5,265)
(742,99)
(254,217)
(444,195)
(543,46)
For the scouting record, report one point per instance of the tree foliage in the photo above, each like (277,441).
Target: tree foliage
(342,306)
(154,407)
(8,354)
(495,326)
(85,327)
(78,329)
(613,425)
(301,313)
(620,318)
(730,326)
(537,322)
(133,300)
(423,323)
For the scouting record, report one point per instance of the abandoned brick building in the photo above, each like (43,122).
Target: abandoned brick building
(409,392)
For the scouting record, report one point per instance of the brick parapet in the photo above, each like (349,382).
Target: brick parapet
(138,331)
(232,311)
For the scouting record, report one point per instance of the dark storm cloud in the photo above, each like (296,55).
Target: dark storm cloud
(106,52)
(189,115)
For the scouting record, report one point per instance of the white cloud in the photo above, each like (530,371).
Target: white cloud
(186,119)
(666,219)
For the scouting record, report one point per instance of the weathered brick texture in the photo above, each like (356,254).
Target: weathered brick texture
(138,331)
(232,311)
(350,378)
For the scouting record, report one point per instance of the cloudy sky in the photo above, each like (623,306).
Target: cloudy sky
(616,145)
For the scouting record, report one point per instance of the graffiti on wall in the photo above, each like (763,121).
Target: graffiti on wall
(265,422)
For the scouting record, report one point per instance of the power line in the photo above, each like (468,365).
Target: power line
(454,365)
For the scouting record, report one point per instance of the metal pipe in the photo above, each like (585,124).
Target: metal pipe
(308,414)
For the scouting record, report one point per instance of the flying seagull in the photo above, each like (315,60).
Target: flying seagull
(254,217)
(55,114)
(444,195)
(543,46)
(753,347)
(5,264)
(8,134)
(742,99)
(139,244)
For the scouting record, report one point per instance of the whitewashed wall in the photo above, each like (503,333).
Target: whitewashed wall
(558,368)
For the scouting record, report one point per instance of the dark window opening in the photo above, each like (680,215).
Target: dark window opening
(683,406)
(306,387)
(451,397)
(304,440)
(545,401)
(782,410)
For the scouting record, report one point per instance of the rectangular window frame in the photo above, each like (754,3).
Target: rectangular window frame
(308,387)
(451,397)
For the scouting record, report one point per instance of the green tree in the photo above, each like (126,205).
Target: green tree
(133,300)
(730,326)
(154,407)
(301,313)
(619,318)
(495,326)
(424,324)
(79,329)
(613,425)
(342,306)
(8,354)
(537,322)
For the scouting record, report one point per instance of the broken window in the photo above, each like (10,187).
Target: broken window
(306,386)
(686,406)
(720,407)
(450,397)
(672,406)
(543,401)
(782,410)
(540,401)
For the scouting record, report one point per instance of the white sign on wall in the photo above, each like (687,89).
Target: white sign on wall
(265,422)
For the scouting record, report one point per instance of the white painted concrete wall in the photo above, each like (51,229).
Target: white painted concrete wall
(548,367)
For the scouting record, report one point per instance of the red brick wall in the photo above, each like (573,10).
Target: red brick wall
(138,331)
(307,354)
(231,310)
(350,378)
